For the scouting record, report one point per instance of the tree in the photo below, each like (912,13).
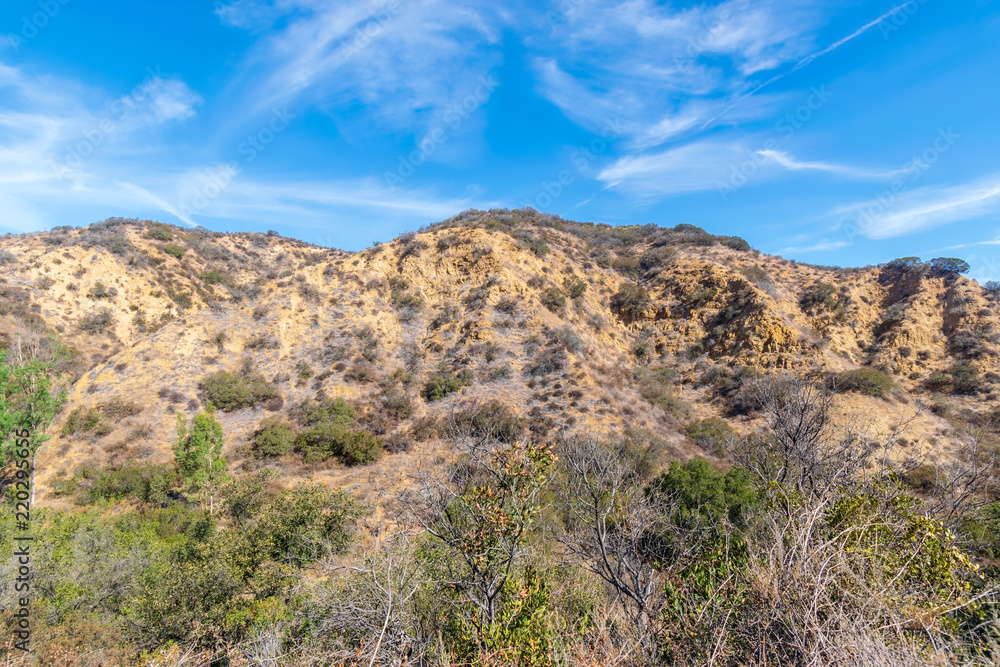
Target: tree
(27,403)
(198,452)
(483,514)
(949,265)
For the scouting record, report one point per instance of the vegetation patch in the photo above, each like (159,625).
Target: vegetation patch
(869,381)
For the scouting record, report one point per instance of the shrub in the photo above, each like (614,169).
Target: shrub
(868,381)
(631,300)
(261,342)
(937,381)
(490,419)
(100,291)
(230,392)
(575,287)
(966,379)
(98,321)
(710,433)
(273,437)
(550,360)
(821,296)
(949,265)
(553,299)
(330,439)
(142,481)
(81,420)
(213,278)
(506,305)
(360,448)
(655,385)
(440,385)
(906,264)
(326,410)
(174,250)
(705,497)
(992,288)
(158,232)
(118,408)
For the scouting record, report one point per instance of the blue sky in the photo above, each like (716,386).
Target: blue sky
(836,132)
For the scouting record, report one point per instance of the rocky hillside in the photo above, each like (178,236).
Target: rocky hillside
(537,326)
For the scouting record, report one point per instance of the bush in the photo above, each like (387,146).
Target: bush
(261,342)
(213,278)
(575,287)
(141,481)
(158,232)
(506,305)
(631,300)
(100,291)
(273,437)
(821,296)
(553,299)
(174,250)
(949,265)
(230,392)
(326,410)
(81,420)
(440,385)
(709,433)
(865,381)
(966,379)
(992,288)
(491,419)
(98,321)
(330,439)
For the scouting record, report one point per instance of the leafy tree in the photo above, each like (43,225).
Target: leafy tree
(949,265)
(198,452)
(27,402)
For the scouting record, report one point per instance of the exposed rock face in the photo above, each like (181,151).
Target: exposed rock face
(516,303)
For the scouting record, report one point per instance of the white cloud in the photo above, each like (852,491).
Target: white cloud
(889,216)
(689,168)
(403,62)
(788,162)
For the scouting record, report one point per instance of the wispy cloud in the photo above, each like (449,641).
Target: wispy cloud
(925,208)
(403,62)
(689,168)
(788,162)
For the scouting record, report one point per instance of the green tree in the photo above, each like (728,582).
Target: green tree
(198,452)
(27,403)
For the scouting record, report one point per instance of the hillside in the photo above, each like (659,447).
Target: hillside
(575,328)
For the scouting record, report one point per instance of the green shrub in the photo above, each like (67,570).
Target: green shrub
(440,385)
(631,300)
(98,321)
(553,299)
(273,437)
(865,381)
(327,410)
(213,278)
(493,419)
(949,265)
(81,420)
(141,481)
(230,392)
(938,381)
(709,433)
(100,291)
(821,296)
(174,250)
(575,287)
(706,497)
(966,379)
(329,439)
(655,385)
(158,232)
